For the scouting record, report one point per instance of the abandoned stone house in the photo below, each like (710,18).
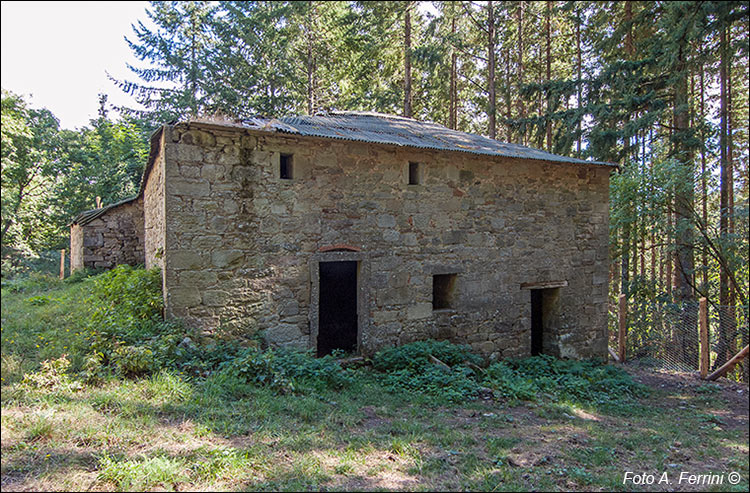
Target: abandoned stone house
(358,231)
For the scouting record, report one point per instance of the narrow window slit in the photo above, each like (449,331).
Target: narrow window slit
(414,178)
(285,167)
(443,291)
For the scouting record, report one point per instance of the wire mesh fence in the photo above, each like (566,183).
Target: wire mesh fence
(667,335)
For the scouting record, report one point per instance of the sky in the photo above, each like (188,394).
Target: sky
(57,54)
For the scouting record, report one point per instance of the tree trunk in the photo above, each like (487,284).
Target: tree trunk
(521,109)
(548,14)
(730,196)
(723,342)
(508,103)
(704,189)
(407,63)
(491,111)
(626,153)
(625,260)
(540,100)
(310,61)
(683,210)
(579,84)
(668,250)
(453,97)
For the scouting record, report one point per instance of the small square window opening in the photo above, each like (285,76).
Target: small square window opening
(285,167)
(414,172)
(443,291)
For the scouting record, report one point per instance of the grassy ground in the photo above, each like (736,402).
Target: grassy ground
(166,431)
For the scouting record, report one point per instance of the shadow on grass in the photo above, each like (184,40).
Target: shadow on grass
(18,466)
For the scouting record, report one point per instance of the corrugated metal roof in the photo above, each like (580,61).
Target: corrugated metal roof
(389,129)
(86,217)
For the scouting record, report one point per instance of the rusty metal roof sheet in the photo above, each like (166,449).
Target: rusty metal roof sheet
(389,129)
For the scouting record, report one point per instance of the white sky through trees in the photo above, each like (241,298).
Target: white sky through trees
(60,54)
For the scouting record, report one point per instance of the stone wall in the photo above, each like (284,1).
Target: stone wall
(153,199)
(76,247)
(242,245)
(113,238)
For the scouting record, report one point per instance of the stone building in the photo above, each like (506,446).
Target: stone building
(359,231)
(107,236)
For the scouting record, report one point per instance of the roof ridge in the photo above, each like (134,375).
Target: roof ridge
(375,114)
(382,128)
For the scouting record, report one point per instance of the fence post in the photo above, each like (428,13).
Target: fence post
(622,327)
(62,264)
(705,349)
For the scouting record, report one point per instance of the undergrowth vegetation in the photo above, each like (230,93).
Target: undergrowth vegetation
(120,333)
(100,393)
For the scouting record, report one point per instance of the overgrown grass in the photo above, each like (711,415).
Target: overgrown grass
(200,415)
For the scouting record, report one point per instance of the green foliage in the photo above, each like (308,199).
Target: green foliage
(131,361)
(409,368)
(144,473)
(584,382)
(32,282)
(50,175)
(454,385)
(81,274)
(127,304)
(52,376)
(94,370)
(287,370)
(106,160)
(30,161)
(510,384)
(416,355)
(177,81)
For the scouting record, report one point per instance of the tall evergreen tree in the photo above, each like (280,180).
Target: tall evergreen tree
(176,81)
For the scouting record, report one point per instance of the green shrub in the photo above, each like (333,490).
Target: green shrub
(127,306)
(416,355)
(409,368)
(51,377)
(260,368)
(132,361)
(449,385)
(287,370)
(587,382)
(509,384)
(34,281)
(307,370)
(81,275)
(94,370)
(196,359)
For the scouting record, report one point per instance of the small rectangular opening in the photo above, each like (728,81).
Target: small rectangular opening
(443,291)
(285,167)
(414,178)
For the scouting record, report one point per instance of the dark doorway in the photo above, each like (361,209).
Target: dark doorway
(545,321)
(337,324)
(537,322)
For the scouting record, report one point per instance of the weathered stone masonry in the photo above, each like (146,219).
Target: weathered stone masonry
(103,238)
(239,246)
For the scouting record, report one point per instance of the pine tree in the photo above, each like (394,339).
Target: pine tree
(176,82)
